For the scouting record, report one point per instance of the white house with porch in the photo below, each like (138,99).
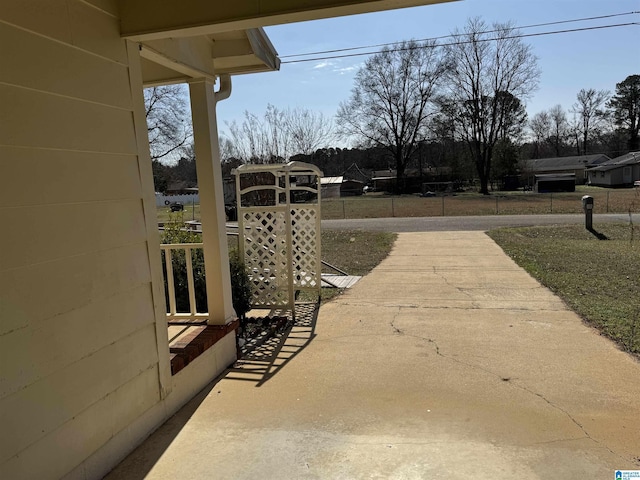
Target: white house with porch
(85,367)
(623,171)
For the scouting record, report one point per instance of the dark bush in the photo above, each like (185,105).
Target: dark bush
(174,232)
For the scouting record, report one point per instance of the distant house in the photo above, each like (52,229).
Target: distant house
(549,166)
(620,172)
(355,173)
(350,188)
(384,180)
(330,187)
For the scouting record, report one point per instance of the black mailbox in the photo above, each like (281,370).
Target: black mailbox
(587,206)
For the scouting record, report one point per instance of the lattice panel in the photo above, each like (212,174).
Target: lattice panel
(265,256)
(279,239)
(304,244)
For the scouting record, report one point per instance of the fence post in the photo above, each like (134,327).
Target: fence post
(344,213)
(393,208)
(443,205)
(551,206)
(608,201)
(497,211)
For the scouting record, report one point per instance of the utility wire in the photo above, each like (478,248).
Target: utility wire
(524,35)
(575,20)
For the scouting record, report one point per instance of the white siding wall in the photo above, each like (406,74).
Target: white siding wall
(79,355)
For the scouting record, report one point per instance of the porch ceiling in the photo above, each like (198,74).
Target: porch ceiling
(176,60)
(143,20)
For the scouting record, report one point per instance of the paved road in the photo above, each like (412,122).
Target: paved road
(471,223)
(466,223)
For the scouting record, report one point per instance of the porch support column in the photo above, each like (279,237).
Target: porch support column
(214,236)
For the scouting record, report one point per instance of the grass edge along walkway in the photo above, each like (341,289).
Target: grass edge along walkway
(597,279)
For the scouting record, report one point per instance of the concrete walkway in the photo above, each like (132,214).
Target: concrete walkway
(447,361)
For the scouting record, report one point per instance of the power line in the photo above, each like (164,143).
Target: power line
(524,35)
(575,20)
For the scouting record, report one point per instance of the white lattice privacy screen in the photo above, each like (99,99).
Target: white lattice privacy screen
(279,230)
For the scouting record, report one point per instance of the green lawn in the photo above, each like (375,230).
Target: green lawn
(598,279)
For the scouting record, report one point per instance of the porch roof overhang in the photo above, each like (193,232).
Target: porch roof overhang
(144,20)
(177,60)
(180,41)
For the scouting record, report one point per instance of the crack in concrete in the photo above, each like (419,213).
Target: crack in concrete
(560,440)
(393,444)
(396,330)
(474,304)
(522,387)
(509,380)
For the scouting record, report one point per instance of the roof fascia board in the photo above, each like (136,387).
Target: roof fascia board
(143,20)
(263,48)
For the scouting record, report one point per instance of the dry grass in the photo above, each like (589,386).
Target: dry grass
(598,279)
(353,251)
(503,203)
(191,212)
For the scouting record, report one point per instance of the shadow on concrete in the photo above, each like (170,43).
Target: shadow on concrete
(598,235)
(258,365)
(138,464)
(261,363)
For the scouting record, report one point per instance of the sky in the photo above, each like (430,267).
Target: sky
(597,58)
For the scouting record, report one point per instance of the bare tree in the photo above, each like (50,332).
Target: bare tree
(168,122)
(227,149)
(559,128)
(487,62)
(540,125)
(391,100)
(308,130)
(260,139)
(277,135)
(589,116)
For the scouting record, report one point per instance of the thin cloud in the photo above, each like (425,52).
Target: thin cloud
(322,65)
(344,70)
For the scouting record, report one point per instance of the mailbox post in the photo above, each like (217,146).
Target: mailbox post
(587,206)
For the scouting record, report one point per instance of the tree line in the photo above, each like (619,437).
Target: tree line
(425,105)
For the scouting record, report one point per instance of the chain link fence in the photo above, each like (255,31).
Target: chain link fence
(525,203)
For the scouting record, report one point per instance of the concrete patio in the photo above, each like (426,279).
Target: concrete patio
(447,361)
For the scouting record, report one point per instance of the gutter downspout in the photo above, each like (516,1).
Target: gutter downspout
(225,88)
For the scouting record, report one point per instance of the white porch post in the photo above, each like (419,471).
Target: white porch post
(214,236)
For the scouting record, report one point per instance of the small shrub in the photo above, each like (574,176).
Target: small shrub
(174,232)
(240,284)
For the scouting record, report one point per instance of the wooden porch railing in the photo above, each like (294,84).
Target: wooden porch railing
(192,316)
